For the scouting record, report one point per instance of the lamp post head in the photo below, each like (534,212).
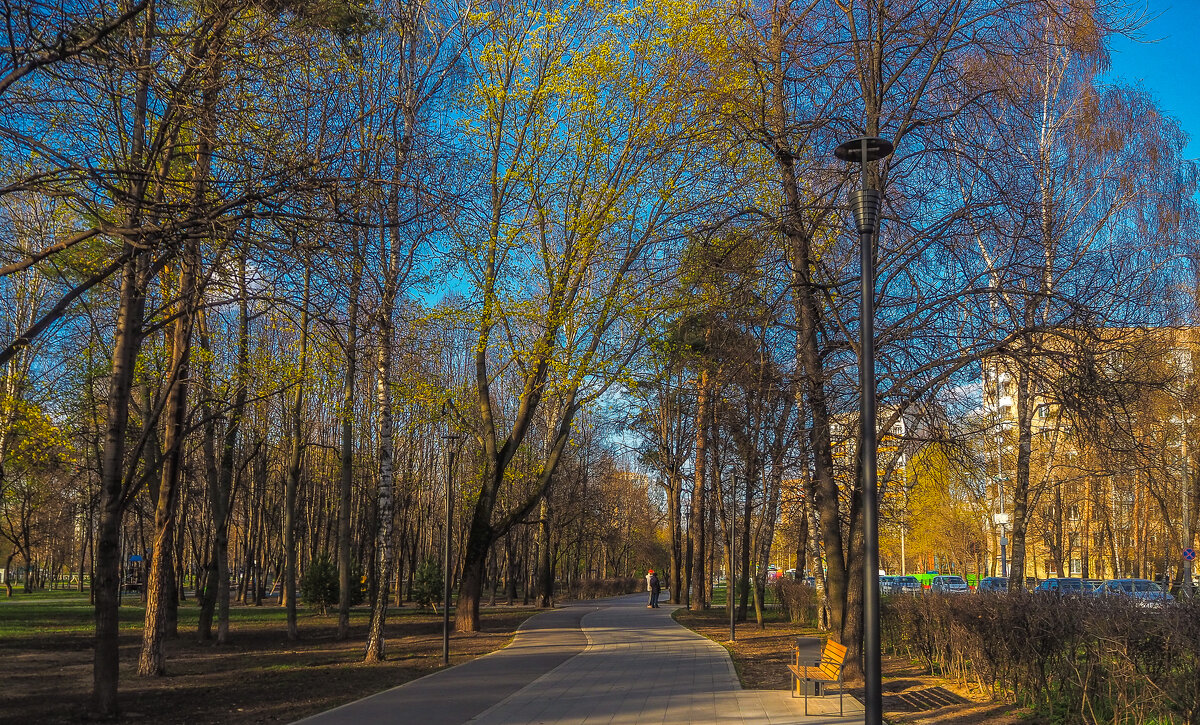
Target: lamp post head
(865,203)
(852,151)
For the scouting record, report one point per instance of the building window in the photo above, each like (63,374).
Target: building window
(1076,567)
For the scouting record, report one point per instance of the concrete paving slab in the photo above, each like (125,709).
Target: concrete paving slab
(455,695)
(639,667)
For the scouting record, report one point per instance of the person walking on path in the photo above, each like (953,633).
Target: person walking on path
(653,585)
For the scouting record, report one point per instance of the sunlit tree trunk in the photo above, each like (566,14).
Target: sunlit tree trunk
(151,661)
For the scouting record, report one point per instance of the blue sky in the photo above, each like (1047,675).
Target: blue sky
(1166,62)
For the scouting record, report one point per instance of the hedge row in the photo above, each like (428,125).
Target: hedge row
(600,588)
(1075,660)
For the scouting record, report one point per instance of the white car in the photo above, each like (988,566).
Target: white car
(947,584)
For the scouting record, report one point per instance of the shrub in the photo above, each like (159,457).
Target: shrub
(320,588)
(427,583)
(1074,660)
(798,601)
(358,585)
(610,587)
(319,585)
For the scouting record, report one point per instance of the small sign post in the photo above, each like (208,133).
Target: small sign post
(1189,554)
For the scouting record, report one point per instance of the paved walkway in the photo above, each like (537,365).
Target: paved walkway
(614,662)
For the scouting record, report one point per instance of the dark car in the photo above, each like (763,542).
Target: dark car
(992,584)
(1066,586)
(905,585)
(1143,591)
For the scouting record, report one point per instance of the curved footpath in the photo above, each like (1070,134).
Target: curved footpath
(613,662)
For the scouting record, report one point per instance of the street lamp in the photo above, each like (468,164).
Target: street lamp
(865,203)
(452,440)
(1001,520)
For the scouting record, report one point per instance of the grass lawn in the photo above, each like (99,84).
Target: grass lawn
(46,644)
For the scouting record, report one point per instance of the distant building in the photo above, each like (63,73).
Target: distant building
(1111,466)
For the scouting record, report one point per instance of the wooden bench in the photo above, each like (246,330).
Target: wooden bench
(829,669)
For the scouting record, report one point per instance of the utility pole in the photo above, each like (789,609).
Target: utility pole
(451,441)
(1185,586)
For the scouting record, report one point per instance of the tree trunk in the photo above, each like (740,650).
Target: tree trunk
(812,374)
(696,526)
(159,589)
(479,540)
(1020,498)
(107,581)
(674,496)
(383,542)
(295,465)
(346,474)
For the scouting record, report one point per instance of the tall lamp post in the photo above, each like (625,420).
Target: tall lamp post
(451,441)
(865,203)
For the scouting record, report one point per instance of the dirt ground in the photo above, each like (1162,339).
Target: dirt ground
(260,677)
(761,657)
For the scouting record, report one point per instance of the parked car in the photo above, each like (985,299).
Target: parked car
(992,584)
(906,585)
(885,583)
(1144,591)
(1066,586)
(949,584)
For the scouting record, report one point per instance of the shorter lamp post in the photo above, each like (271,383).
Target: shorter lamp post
(1001,520)
(451,441)
(865,203)
(730,586)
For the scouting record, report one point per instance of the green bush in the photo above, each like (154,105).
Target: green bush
(319,585)
(427,583)
(358,585)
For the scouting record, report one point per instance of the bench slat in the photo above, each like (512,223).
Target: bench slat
(812,673)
